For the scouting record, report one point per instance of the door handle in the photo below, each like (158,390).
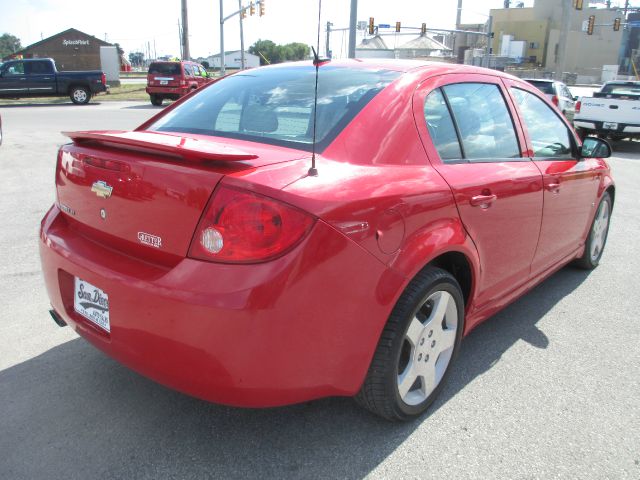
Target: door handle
(553,187)
(483,201)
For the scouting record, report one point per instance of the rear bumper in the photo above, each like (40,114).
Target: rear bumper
(179,91)
(633,129)
(299,327)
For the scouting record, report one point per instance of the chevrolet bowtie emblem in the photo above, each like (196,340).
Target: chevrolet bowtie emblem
(101,189)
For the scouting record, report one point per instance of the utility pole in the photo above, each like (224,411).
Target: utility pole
(221,39)
(353,19)
(242,64)
(328,45)
(565,24)
(489,40)
(186,55)
(180,37)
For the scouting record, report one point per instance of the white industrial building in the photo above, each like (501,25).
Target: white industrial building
(232,59)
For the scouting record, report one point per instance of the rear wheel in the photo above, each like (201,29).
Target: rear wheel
(582,133)
(79,95)
(156,100)
(597,238)
(416,348)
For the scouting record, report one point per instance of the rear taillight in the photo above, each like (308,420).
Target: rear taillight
(104,79)
(578,105)
(554,100)
(183,83)
(243,227)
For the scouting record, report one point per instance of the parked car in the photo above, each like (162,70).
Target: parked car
(173,80)
(39,77)
(558,93)
(235,249)
(613,112)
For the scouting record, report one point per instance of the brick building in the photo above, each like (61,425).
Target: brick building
(71,49)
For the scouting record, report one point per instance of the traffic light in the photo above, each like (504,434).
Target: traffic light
(592,22)
(423,29)
(579,4)
(261,7)
(372,27)
(616,24)
(252,9)
(243,14)
(397,26)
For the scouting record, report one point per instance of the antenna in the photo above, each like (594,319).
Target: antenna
(313,171)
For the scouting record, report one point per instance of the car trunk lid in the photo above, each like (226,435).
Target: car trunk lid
(142,193)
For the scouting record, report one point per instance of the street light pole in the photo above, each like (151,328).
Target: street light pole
(353,19)
(221,39)
(242,62)
(562,41)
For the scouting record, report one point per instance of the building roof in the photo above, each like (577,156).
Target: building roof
(423,43)
(66,32)
(229,52)
(373,43)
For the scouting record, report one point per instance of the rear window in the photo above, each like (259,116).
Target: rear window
(545,87)
(632,90)
(164,68)
(275,105)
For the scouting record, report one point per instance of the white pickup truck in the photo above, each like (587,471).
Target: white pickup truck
(613,112)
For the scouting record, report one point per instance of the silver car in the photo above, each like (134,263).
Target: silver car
(558,93)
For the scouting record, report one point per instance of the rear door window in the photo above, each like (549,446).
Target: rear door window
(39,68)
(440,126)
(483,122)
(550,137)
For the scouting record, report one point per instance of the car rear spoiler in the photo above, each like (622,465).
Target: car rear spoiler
(187,148)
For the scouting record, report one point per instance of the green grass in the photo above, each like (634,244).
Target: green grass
(122,93)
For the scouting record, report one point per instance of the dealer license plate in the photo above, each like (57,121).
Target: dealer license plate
(92,303)
(610,125)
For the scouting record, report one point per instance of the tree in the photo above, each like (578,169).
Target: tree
(136,59)
(9,44)
(205,64)
(269,52)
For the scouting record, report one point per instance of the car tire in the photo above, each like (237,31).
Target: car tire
(80,95)
(416,349)
(156,100)
(597,237)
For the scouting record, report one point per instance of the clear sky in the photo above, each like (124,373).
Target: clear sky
(134,23)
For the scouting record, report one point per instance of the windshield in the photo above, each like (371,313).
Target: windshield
(172,68)
(545,87)
(275,105)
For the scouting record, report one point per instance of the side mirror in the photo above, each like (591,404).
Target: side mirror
(593,147)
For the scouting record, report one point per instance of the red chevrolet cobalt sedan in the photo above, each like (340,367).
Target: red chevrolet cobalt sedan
(203,251)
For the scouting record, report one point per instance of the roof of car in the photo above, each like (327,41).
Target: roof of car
(399,65)
(545,80)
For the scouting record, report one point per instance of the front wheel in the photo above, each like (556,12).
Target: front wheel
(416,348)
(597,237)
(80,95)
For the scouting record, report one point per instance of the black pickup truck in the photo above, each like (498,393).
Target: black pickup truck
(39,77)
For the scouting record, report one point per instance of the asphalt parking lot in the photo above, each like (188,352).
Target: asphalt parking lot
(548,388)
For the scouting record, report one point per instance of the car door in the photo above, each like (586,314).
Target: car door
(570,183)
(13,80)
(465,122)
(41,78)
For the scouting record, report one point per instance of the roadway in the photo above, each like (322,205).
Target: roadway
(548,388)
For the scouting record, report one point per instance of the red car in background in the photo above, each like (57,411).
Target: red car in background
(173,80)
(202,251)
